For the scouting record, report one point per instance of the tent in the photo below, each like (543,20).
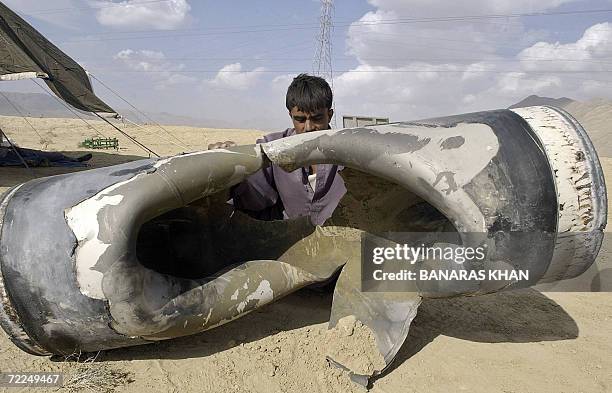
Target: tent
(27,54)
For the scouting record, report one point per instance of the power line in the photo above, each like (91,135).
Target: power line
(138,110)
(163,35)
(73,111)
(406,71)
(490,16)
(112,5)
(397,59)
(269,28)
(348,70)
(294,45)
(345,23)
(497,44)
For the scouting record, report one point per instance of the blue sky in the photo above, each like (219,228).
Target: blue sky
(404,59)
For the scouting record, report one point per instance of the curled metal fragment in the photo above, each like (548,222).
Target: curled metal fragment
(149,250)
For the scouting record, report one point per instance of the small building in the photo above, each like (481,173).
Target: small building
(360,121)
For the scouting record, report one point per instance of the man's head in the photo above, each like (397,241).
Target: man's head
(309,101)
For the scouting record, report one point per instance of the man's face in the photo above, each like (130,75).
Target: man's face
(310,121)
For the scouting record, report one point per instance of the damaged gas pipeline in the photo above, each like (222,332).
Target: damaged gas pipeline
(150,250)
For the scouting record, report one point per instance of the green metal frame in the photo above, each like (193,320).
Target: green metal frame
(101,143)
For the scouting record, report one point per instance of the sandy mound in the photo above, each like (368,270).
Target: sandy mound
(353,345)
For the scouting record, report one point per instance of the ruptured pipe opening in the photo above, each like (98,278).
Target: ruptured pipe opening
(178,243)
(206,238)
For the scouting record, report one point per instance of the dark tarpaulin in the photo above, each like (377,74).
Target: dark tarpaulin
(37,158)
(23,49)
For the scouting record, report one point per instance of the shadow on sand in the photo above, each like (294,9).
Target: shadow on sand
(12,176)
(295,311)
(519,316)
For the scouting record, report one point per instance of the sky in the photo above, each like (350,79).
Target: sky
(231,61)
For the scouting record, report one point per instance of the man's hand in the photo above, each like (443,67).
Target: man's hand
(221,145)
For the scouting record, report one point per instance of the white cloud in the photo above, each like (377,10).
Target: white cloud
(434,8)
(416,70)
(139,14)
(440,31)
(141,60)
(231,76)
(589,53)
(282,81)
(155,65)
(403,93)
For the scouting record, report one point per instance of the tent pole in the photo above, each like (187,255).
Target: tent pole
(2,134)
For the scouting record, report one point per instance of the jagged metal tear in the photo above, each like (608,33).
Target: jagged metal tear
(462,166)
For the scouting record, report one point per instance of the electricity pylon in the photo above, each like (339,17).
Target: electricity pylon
(322,64)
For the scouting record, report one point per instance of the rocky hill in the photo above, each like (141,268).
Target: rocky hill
(46,106)
(596,117)
(534,100)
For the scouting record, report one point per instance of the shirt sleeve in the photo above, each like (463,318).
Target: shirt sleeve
(256,192)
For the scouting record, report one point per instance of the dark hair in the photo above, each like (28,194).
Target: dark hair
(309,93)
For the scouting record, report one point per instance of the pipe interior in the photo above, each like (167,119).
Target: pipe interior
(204,239)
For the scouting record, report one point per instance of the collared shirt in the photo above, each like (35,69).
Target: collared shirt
(273,194)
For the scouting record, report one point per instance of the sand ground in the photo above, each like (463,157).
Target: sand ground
(522,341)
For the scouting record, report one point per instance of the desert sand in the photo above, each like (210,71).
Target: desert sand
(522,341)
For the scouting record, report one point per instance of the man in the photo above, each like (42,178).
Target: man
(273,194)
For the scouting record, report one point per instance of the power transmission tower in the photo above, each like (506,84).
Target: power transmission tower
(322,64)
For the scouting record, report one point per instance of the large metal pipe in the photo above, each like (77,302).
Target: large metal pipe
(148,250)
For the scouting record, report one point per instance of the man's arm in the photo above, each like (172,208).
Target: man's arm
(257,194)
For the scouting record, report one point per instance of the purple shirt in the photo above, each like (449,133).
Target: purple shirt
(273,194)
